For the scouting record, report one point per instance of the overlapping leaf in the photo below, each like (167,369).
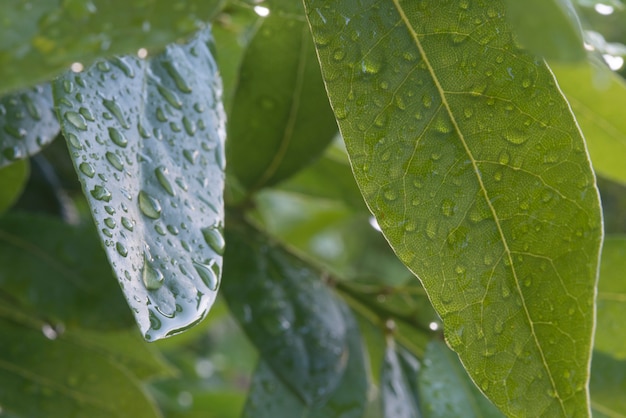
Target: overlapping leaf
(470,159)
(39,40)
(610,331)
(12,181)
(60,272)
(291,317)
(399,384)
(608,385)
(280,118)
(147,140)
(27,123)
(596,95)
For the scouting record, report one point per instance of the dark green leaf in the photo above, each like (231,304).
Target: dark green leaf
(271,397)
(547,27)
(59,272)
(280,119)
(27,123)
(12,181)
(597,95)
(55,377)
(40,39)
(399,384)
(608,385)
(291,317)
(469,157)
(147,140)
(610,330)
(447,391)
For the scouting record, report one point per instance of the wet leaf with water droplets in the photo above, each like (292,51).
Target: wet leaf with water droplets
(42,39)
(280,119)
(271,397)
(293,319)
(27,123)
(472,200)
(447,391)
(156,232)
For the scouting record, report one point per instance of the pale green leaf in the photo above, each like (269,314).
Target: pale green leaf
(469,157)
(608,385)
(27,123)
(147,141)
(597,96)
(447,391)
(54,376)
(40,39)
(610,329)
(12,181)
(280,119)
(549,28)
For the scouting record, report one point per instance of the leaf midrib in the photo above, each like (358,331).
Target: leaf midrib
(444,100)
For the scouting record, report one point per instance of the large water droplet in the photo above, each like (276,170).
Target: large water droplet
(87,169)
(149,205)
(152,277)
(161,175)
(121,249)
(114,160)
(207,275)
(170,97)
(179,80)
(101,193)
(76,119)
(113,107)
(213,236)
(118,138)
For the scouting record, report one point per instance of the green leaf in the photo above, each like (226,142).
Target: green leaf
(12,181)
(271,397)
(60,272)
(399,384)
(292,318)
(41,377)
(467,154)
(27,122)
(280,118)
(147,141)
(547,27)
(610,331)
(447,391)
(608,385)
(595,94)
(41,39)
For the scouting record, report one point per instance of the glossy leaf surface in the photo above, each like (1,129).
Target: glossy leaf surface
(469,157)
(147,141)
(549,28)
(271,397)
(610,330)
(44,377)
(398,384)
(27,123)
(39,40)
(447,391)
(280,117)
(295,322)
(60,272)
(12,181)
(596,96)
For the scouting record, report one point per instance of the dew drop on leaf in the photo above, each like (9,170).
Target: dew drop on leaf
(149,206)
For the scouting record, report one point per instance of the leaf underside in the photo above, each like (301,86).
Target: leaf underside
(469,157)
(147,141)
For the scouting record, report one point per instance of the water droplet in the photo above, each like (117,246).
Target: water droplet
(114,160)
(339,54)
(447,207)
(170,96)
(516,137)
(161,175)
(121,249)
(149,206)
(101,193)
(504,158)
(179,80)
(113,107)
(76,119)
(214,238)
(86,113)
(431,228)
(207,275)
(127,223)
(152,278)
(528,281)
(191,155)
(87,169)
(110,222)
(117,137)
(370,65)
(17,133)
(427,100)
(189,126)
